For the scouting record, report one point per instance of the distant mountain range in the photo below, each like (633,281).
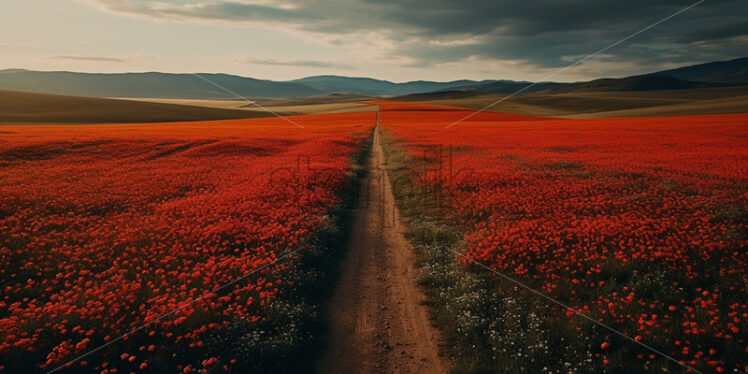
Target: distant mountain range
(712,74)
(328,84)
(206,86)
(203,86)
(149,85)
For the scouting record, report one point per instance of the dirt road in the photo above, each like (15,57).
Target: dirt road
(377,321)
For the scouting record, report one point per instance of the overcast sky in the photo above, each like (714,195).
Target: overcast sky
(398,40)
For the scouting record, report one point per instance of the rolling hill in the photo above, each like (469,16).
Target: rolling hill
(732,71)
(189,86)
(376,87)
(32,108)
(653,82)
(506,86)
(153,85)
(713,74)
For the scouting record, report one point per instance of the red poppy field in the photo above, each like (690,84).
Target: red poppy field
(107,229)
(639,223)
(212,246)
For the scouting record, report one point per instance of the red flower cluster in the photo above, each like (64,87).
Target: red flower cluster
(106,227)
(639,222)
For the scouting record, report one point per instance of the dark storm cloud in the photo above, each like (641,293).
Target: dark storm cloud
(542,33)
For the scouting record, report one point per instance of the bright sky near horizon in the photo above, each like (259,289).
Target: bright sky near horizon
(385,39)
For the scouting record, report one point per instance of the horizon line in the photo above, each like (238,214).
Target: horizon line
(359,77)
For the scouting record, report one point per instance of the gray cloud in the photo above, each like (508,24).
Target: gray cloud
(90,58)
(306,63)
(540,33)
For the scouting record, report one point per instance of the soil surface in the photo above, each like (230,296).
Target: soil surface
(378,322)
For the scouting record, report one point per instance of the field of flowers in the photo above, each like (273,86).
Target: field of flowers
(640,223)
(106,227)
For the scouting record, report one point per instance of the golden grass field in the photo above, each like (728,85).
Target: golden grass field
(605,104)
(30,108)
